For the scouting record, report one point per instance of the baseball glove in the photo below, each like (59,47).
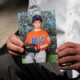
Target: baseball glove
(32,47)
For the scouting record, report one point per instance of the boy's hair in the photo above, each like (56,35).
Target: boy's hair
(37,19)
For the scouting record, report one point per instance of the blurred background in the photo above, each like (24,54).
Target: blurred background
(9,10)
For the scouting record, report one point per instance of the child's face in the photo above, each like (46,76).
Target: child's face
(37,24)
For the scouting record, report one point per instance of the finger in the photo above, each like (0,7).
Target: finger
(57,57)
(15,48)
(76,66)
(67,52)
(16,40)
(67,59)
(13,53)
(64,67)
(66,45)
(8,41)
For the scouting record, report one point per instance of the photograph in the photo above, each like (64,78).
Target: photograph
(38,32)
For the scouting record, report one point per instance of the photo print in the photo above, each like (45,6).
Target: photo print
(38,32)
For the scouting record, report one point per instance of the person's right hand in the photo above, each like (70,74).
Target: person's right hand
(15,45)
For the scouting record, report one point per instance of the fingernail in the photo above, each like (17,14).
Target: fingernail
(57,57)
(20,44)
(56,50)
(21,50)
(57,62)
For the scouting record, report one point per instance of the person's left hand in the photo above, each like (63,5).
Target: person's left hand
(69,53)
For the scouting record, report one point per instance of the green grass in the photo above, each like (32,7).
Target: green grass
(51,58)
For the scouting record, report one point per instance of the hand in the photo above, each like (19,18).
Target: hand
(69,53)
(37,48)
(15,45)
(31,47)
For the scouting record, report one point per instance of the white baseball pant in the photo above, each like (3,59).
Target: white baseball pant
(39,57)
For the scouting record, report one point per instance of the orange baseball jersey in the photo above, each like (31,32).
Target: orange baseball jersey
(38,37)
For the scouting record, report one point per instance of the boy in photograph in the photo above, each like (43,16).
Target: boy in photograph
(40,39)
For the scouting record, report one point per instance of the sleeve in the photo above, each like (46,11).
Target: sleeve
(27,39)
(47,39)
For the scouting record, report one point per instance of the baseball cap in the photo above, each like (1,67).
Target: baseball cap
(35,17)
